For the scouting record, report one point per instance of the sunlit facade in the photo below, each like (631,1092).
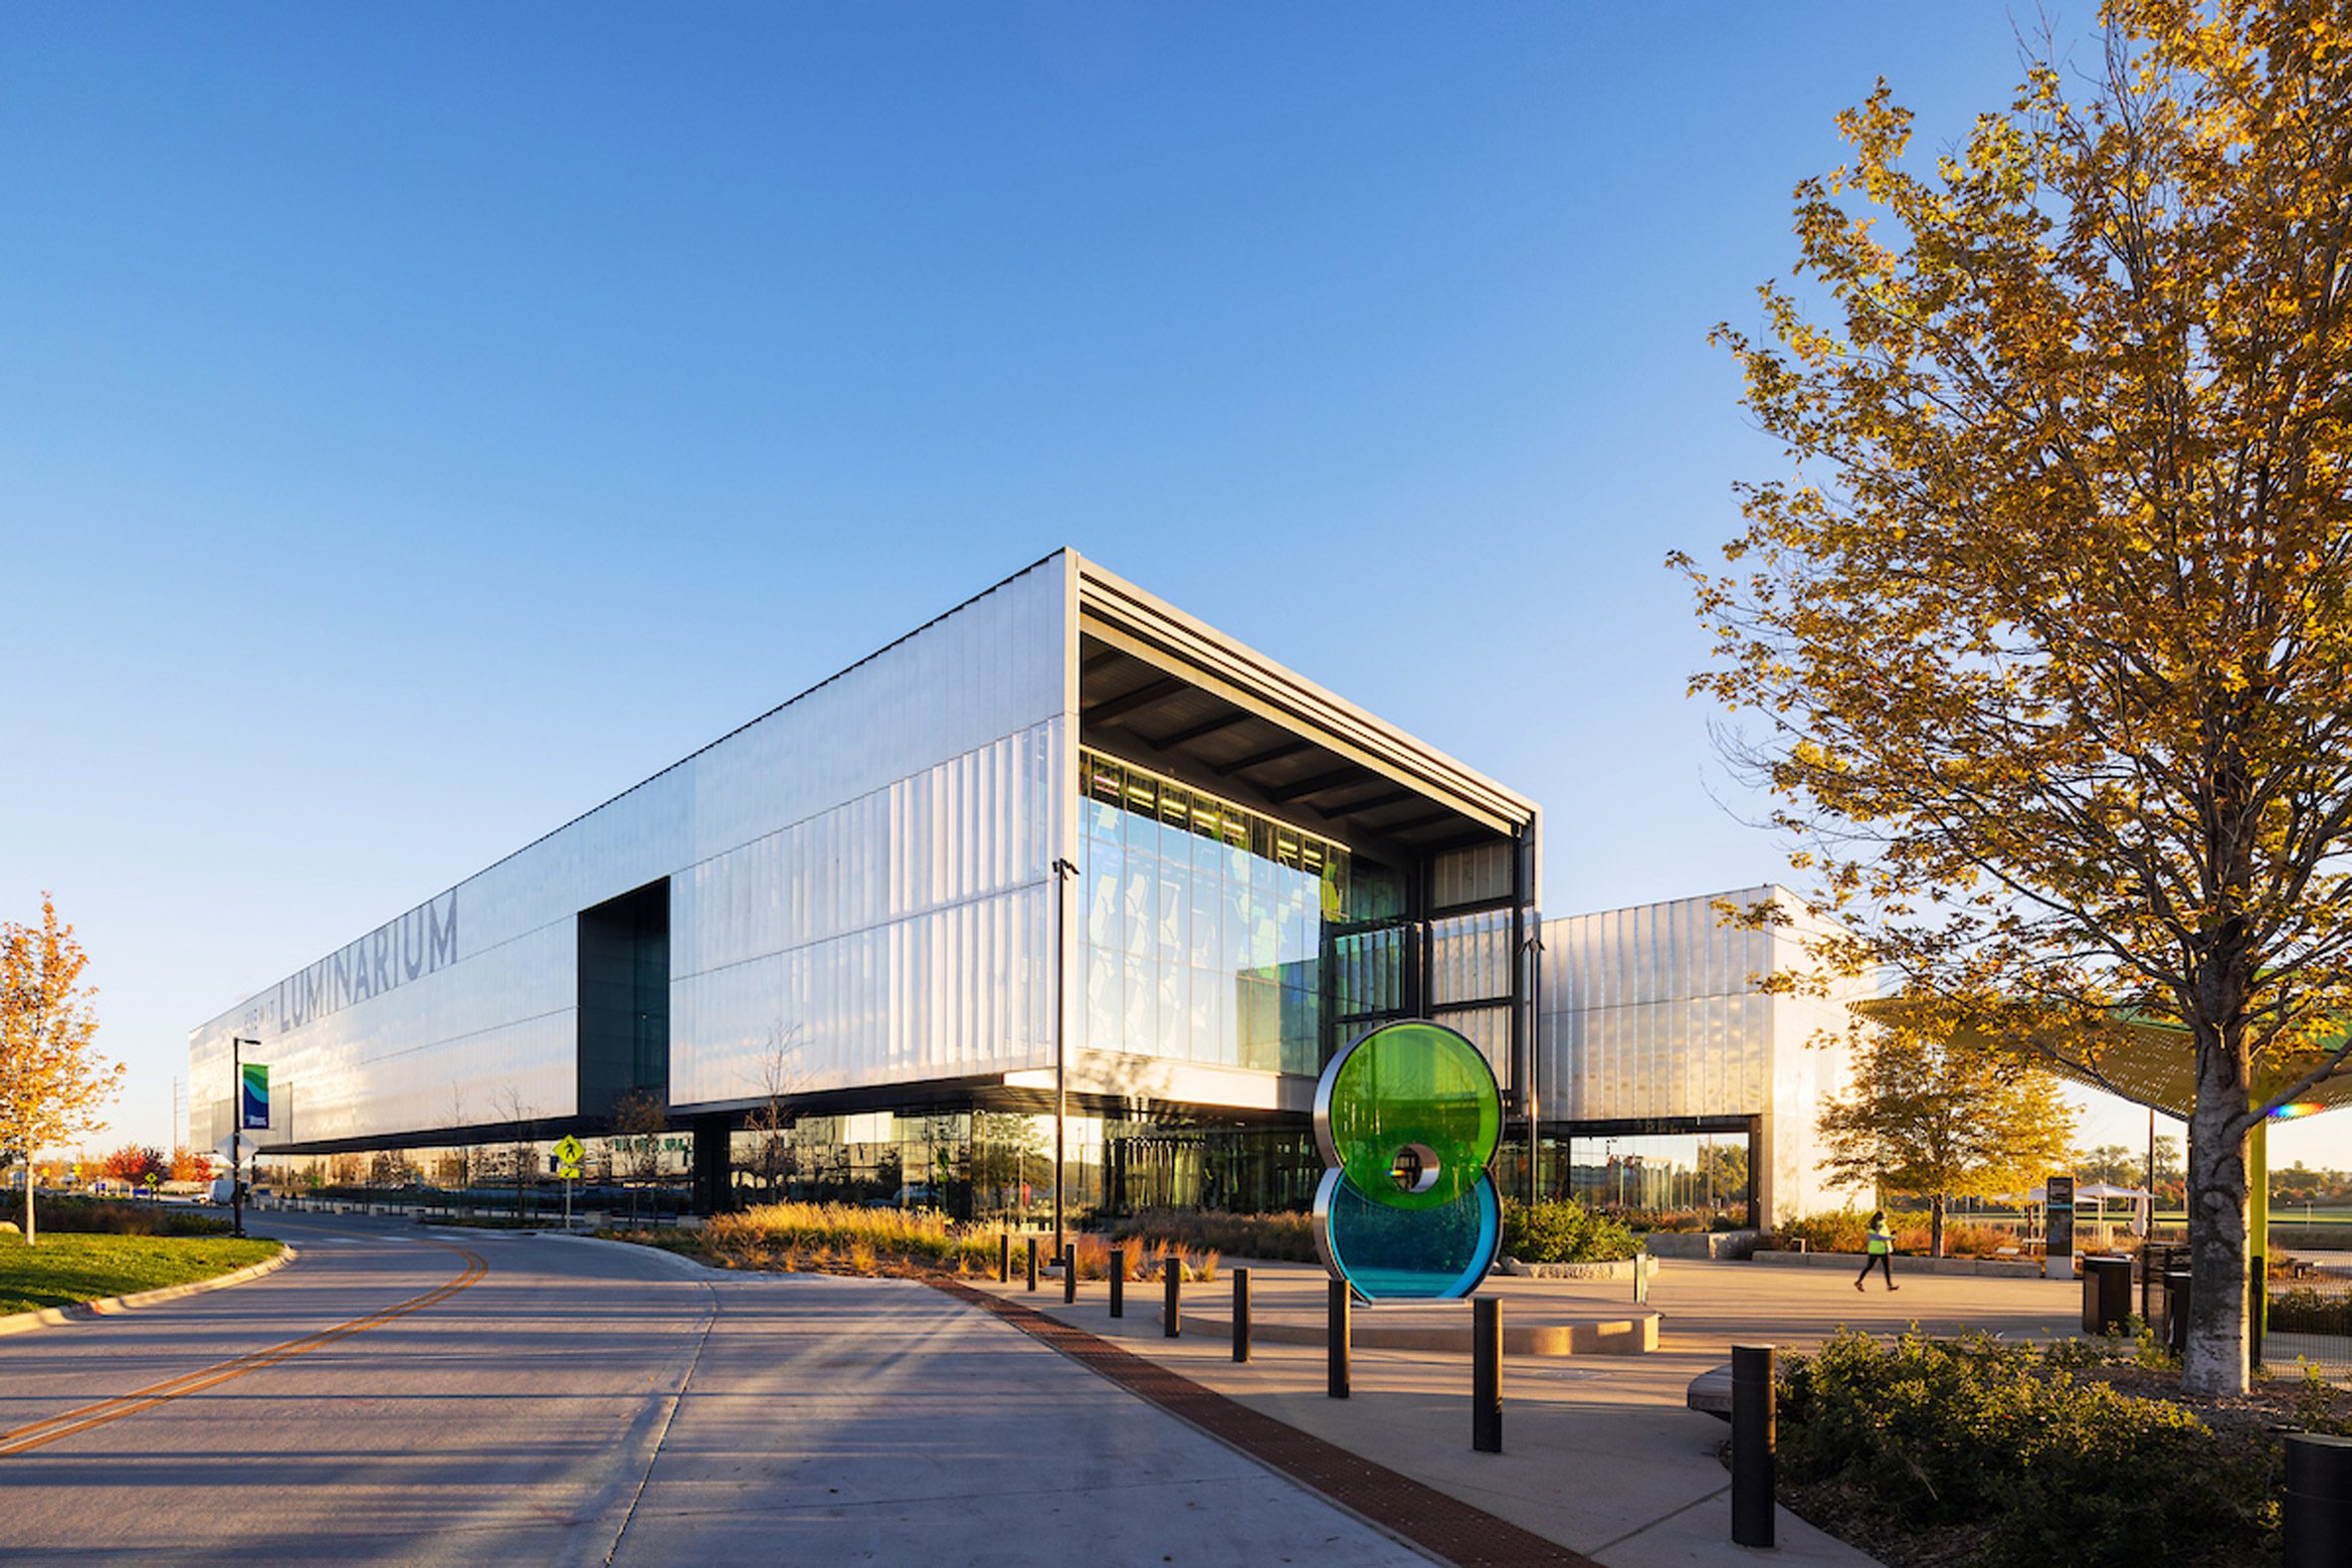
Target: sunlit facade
(1675,1085)
(830,952)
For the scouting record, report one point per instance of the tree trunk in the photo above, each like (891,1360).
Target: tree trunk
(1935,1227)
(2216,1362)
(28,1203)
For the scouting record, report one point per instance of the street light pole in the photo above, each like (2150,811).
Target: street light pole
(236,1044)
(1534,950)
(1063,872)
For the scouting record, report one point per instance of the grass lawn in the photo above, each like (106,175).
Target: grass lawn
(69,1266)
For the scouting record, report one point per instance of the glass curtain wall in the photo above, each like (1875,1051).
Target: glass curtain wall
(1215,934)
(1694,1181)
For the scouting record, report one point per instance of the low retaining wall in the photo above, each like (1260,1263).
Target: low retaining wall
(1694,1244)
(1621,1269)
(1998,1268)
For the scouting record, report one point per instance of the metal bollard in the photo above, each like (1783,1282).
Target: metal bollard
(1642,1278)
(1335,1340)
(1118,1282)
(1033,1262)
(1486,1374)
(2318,1511)
(1004,1258)
(1752,1439)
(1069,1273)
(1172,1312)
(1241,1314)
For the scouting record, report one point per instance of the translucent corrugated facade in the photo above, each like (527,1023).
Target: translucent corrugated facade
(859,877)
(1652,1013)
(855,892)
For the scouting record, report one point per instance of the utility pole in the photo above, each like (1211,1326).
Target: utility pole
(1063,872)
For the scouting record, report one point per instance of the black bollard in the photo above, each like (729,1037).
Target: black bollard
(1752,1438)
(1486,1374)
(1069,1273)
(1335,1340)
(1004,1258)
(1118,1282)
(2318,1513)
(1241,1314)
(1172,1313)
(1033,1262)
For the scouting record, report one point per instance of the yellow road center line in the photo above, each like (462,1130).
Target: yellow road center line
(25,1438)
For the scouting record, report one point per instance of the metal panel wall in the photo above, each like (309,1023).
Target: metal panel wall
(860,873)
(1655,1012)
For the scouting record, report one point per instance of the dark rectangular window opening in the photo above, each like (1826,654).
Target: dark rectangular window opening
(624,999)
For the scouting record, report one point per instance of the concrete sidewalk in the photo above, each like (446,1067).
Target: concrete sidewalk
(1600,1454)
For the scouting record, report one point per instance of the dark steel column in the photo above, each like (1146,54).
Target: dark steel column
(1172,1310)
(1004,1257)
(1068,1274)
(2318,1511)
(1118,1282)
(1335,1341)
(1033,1262)
(1486,1374)
(1241,1314)
(1753,1444)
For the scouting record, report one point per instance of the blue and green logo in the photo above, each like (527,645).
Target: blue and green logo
(1408,1118)
(255,1093)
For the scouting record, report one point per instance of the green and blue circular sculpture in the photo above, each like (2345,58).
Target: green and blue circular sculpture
(1408,1118)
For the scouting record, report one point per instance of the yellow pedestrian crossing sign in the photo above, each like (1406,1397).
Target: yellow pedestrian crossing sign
(567,1157)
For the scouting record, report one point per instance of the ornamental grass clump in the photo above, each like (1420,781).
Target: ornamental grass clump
(1146,1258)
(1274,1237)
(2003,1442)
(836,1236)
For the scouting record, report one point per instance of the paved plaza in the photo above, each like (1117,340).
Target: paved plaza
(556,1400)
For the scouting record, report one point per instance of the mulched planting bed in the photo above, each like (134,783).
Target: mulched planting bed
(2241,1441)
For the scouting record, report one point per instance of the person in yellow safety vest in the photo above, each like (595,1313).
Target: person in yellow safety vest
(1879,1251)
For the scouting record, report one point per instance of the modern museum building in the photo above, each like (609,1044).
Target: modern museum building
(1064,844)
(1064,832)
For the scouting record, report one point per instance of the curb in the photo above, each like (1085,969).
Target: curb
(109,1307)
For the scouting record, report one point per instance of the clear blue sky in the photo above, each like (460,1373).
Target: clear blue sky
(418,424)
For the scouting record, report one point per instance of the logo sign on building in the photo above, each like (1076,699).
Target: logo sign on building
(255,1095)
(1408,1118)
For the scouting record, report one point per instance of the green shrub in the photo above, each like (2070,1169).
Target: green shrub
(106,1217)
(2003,1440)
(2304,1311)
(1564,1231)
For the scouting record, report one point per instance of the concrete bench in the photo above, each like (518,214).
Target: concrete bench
(1710,1393)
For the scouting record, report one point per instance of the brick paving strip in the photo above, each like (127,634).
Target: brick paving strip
(1445,1527)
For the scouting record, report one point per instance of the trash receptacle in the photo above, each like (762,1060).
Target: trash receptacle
(2107,1293)
(2175,1312)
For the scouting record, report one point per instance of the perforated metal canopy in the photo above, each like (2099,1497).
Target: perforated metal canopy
(2146,1061)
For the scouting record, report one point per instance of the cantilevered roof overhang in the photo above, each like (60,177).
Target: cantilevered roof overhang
(2147,1062)
(1160,688)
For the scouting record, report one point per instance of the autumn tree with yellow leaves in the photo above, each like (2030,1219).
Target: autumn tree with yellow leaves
(2043,645)
(51,1079)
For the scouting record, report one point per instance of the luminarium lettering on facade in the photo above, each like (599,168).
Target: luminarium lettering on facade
(417,943)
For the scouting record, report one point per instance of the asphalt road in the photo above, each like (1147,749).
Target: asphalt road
(407,1395)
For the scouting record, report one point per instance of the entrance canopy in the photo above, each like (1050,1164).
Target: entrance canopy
(2148,1062)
